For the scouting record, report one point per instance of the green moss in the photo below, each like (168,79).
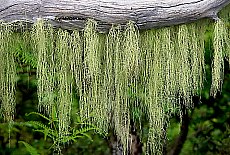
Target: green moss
(225,17)
(7,73)
(172,72)
(42,37)
(218,56)
(64,82)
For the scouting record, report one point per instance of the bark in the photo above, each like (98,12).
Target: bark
(71,14)
(179,142)
(134,142)
(177,146)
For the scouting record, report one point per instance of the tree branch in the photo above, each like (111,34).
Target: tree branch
(71,14)
(179,142)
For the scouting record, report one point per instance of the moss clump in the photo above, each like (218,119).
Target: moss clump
(219,44)
(7,72)
(43,47)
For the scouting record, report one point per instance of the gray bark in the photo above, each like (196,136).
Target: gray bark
(71,14)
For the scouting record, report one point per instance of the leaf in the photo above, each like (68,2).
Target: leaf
(36,113)
(29,148)
(47,133)
(88,136)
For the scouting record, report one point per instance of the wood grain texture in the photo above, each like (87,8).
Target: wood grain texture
(70,14)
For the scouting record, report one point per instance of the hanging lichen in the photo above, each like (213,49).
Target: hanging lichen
(7,73)
(115,84)
(153,81)
(168,68)
(183,64)
(225,17)
(90,72)
(157,71)
(76,59)
(196,47)
(23,49)
(64,81)
(169,75)
(53,73)
(220,37)
(42,35)
(126,64)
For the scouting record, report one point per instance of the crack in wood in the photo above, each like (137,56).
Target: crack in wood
(69,18)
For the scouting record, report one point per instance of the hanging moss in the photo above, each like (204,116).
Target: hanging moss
(220,37)
(76,59)
(64,81)
(22,48)
(221,46)
(91,72)
(155,71)
(117,86)
(7,73)
(55,55)
(225,17)
(196,47)
(168,67)
(169,72)
(42,35)
(183,64)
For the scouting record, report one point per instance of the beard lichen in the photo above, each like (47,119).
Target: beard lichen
(172,72)
(154,70)
(7,73)
(219,45)
(42,41)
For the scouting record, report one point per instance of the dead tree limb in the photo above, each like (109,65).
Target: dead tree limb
(71,14)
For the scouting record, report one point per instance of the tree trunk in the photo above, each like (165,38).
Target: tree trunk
(180,140)
(70,14)
(134,142)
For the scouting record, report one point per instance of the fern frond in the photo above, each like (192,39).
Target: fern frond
(29,148)
(39,114)
(83,130)
(47,133)
(36,124)
(88,136)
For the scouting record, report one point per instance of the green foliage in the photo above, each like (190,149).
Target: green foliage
(23,50)
(20,131)
(78,131)
(29,148)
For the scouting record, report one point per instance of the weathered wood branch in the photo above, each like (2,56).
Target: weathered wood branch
(70,14)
